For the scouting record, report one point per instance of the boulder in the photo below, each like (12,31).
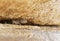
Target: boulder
(42,12)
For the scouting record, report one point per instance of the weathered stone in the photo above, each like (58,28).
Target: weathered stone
(42,12)
(10,32)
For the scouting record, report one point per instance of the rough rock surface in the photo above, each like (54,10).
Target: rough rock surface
(10,32)
(42,12)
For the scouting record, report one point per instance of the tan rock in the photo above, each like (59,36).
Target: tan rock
(10,32)
(42,12)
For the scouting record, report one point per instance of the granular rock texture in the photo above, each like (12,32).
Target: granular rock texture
(10,32)
(42,12)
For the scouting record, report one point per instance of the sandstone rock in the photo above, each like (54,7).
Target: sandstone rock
(42,12)
(10,32)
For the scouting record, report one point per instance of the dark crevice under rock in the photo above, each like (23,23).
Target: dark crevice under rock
(10,21)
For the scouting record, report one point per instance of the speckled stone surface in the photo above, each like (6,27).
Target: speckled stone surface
(10,32)
(42,12)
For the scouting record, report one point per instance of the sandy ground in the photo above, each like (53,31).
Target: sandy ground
(29,33)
